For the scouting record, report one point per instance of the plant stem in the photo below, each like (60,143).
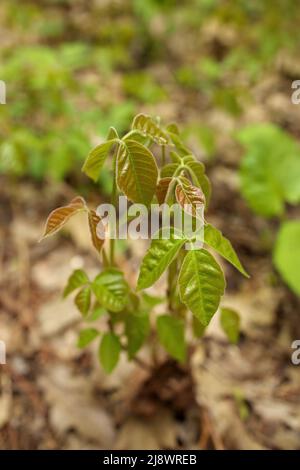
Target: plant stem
(114,203)
(112,252)
(163,155)
(105,258)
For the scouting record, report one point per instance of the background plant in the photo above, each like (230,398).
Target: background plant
(57,66)
(270,180)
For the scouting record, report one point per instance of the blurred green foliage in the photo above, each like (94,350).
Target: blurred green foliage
(72,67)
(286,254)
(270,181)
(270,169)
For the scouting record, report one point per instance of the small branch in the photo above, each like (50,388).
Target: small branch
(105,258)
(163,155)
(114,203)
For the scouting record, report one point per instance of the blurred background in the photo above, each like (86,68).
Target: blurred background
(223,70)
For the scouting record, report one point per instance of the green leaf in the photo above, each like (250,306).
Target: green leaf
(77,279)
(214,238)
(175,158)
(173,128)
(96,158)
(230,323)
(111,289)
(270,170)
(160,254)
(109,352)
(201,284)
(286,254)
(175,138)
(171,335)
(96,313)
(112,134)
(198,328)
(136,172)
(137,327)
(149,128)
(138,137)
(151,300)
(86,336)
(197,172)
(83,300)
(188,159)
(168,170)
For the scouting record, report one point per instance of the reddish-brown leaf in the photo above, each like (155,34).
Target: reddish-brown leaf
(95,229)
(57,218)
(162,189)
(189,197)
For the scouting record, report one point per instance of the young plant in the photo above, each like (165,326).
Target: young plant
(270,179)
(195,280)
